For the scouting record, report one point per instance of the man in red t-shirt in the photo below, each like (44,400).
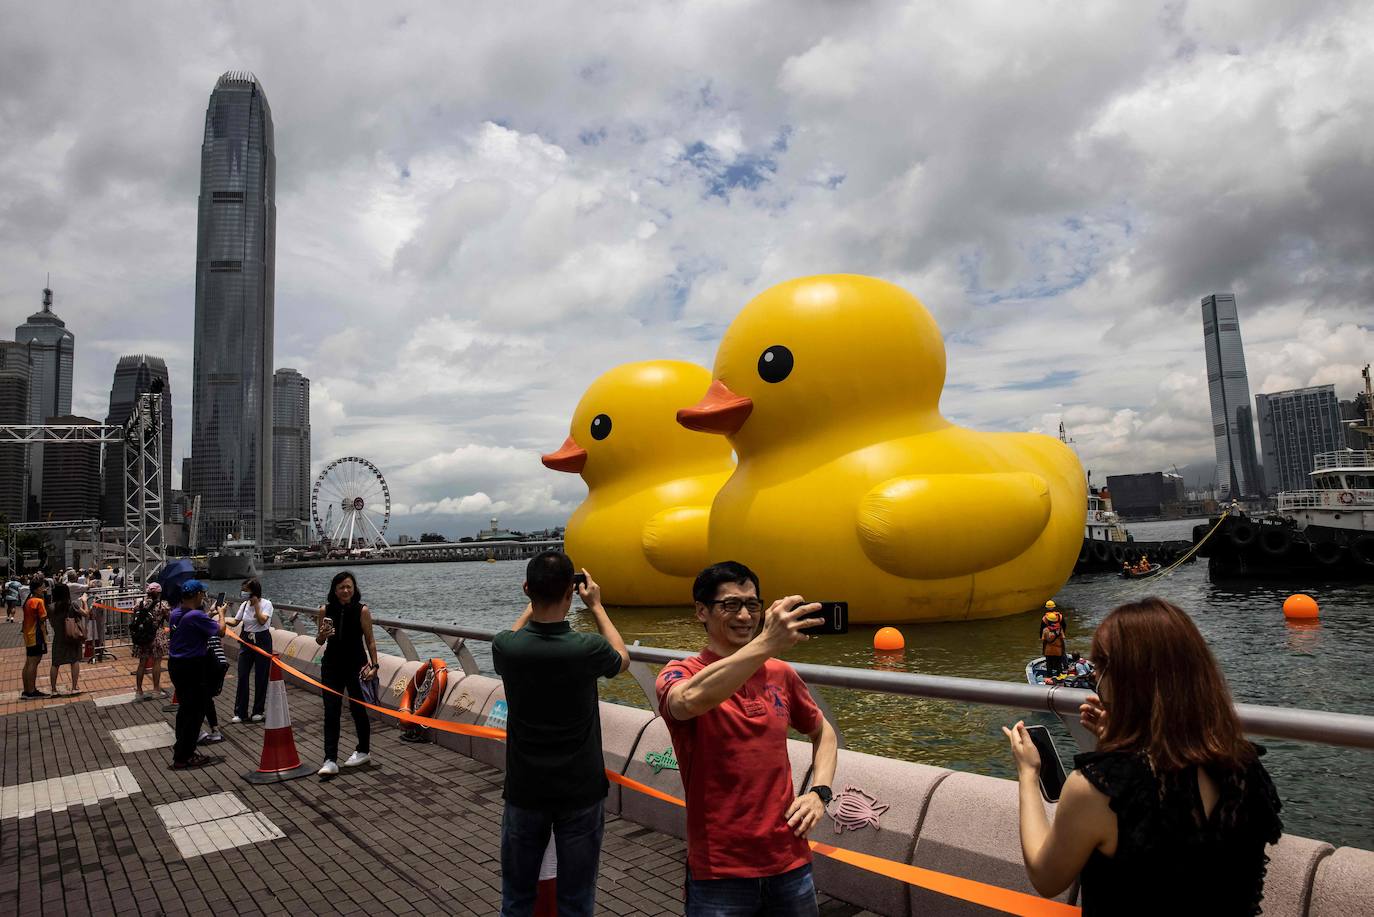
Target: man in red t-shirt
(728,711)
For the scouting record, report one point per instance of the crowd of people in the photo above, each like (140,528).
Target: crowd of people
(1173,787)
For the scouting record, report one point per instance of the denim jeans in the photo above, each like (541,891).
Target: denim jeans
(577,840)
(259,665)
(791,894)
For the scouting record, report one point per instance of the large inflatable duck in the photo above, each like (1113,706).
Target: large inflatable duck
(642,529)
(850,486)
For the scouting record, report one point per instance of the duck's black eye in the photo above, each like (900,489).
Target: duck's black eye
(775,364)
(601,426)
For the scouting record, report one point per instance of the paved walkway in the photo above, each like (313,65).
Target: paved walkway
(87,827)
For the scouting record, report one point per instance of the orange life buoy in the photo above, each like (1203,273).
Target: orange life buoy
(428,684)
(1347,497)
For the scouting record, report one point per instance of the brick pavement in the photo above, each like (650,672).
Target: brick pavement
(417,831)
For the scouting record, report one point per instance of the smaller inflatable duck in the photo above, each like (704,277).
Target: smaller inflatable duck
(851,486)
(642,529)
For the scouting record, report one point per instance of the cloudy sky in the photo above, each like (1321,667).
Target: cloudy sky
(482,207)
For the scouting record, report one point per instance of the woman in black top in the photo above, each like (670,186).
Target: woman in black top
(1174,809)
(350,654)
(66,650)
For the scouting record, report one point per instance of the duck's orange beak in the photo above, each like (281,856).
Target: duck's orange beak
(719,411)
(570,457)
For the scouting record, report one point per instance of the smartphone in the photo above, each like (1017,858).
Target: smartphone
(1052,774)
(836,618)
(579,579)
(219,599)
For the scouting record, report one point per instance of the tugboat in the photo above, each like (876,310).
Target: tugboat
(236,559)
(1325,531)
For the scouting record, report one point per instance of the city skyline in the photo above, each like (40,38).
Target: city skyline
(231,394)
(52,352)
(465,246)
(134,375)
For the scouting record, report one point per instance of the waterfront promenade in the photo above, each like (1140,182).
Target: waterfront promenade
(419,831)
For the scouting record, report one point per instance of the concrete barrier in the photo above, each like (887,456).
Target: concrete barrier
(1292,869)
(654,813)
(621,727)
(1344,885)
(465,702)
(971,829)
(882,802)
(492,751)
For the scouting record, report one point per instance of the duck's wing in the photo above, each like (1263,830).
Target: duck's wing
(942,525)
(674,540)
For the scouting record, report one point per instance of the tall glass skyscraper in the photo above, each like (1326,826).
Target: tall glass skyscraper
(15,370)
(52,350)
(291,448)
(134,376)
(1238,471)
(231,394)
(1295,426)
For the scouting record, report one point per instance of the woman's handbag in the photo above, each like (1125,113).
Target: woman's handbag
(75,627)
(371,687)
(218,663)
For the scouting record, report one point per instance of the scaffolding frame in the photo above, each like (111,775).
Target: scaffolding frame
(144,551)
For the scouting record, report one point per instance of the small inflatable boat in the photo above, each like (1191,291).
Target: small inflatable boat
(1131,574)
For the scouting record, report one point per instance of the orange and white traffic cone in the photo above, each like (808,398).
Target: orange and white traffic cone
(171,705)
(546,898)
(280,761)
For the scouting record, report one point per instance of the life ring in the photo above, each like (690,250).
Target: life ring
(428,690)
(1346,497)
(1100,516)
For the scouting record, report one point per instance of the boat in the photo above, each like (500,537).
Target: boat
(1035,675)
(236,559)
(1132,574)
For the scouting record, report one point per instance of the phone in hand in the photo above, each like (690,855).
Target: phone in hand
(1052,774)
(219,600)
(579,581)
(836,618)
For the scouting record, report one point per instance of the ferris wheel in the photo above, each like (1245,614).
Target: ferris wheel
(350,500)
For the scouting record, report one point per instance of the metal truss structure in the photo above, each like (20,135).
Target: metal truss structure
(143,510)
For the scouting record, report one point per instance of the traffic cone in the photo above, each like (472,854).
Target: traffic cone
(546,897)
(280,761)
(171,706)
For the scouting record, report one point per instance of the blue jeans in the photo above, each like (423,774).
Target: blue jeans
(791,894)
(577,839)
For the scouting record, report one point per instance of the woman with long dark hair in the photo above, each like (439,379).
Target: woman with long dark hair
(68,620)
(1174,809)
(344,626)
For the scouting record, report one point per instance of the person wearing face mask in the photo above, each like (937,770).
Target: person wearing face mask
(255,614)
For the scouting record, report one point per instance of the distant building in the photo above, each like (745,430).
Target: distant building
(495,533)
(231,392)
(1152,494)
(291,448)
(1238,467)
(134,376)
(52,350)
(14,409)
(1294,426)
(1357,419)
(71,476)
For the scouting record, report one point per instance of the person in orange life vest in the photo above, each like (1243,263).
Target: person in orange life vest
(1052,643)
(728,711)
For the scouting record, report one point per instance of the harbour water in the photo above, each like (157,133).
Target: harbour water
(1328,793)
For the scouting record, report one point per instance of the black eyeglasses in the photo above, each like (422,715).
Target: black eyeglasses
(732,606)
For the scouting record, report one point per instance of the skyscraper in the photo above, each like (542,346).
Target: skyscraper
(134,376)
(52,349)
(291,447)
(71,475)
(231,395)
(14,409)
(1238,471)
(1294,426)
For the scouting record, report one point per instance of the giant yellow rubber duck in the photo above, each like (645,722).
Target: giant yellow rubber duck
(850,486)
(642,529)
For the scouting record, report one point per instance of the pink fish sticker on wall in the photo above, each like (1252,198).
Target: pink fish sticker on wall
(854,809)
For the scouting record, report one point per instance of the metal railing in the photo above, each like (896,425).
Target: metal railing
(1319,726)
(1343,458)
(1326,499)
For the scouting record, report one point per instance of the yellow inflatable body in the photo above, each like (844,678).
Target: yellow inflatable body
(642,530)
(851,486)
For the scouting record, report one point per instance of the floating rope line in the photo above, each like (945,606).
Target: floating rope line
(1145,580)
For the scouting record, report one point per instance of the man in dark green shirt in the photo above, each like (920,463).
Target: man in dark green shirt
(555,774)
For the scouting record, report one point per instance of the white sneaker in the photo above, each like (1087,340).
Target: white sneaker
(257,718)
(329,769)
(357,758)
(210,738)
(235,721)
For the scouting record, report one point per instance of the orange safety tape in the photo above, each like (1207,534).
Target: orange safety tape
(990,896)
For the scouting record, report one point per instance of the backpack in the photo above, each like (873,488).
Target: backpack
(143,627)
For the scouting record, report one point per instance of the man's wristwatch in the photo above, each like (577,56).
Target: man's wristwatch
(824,793)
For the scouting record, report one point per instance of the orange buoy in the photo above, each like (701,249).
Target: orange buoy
(1300,607)
(888,639)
